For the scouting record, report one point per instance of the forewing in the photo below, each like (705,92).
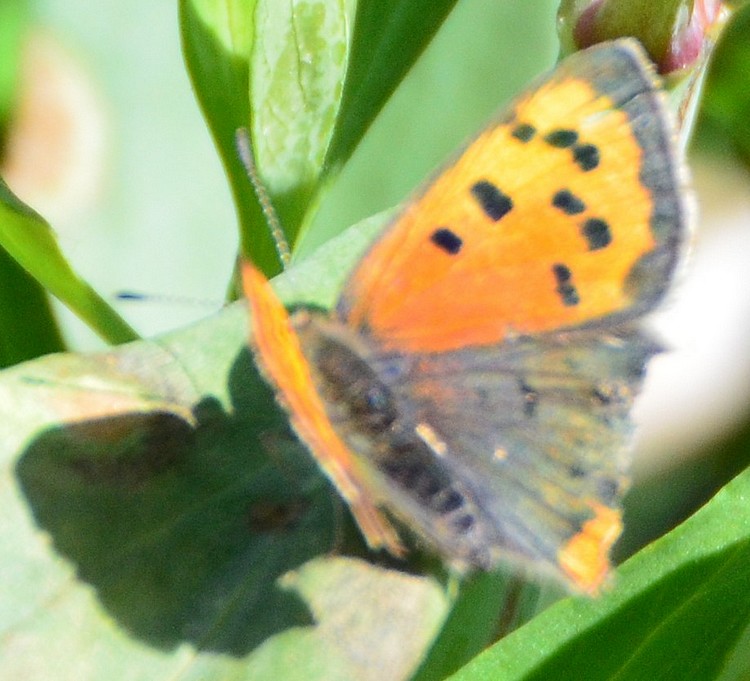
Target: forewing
(280,357)
(567,212)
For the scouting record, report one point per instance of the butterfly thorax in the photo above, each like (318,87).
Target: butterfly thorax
(366,410)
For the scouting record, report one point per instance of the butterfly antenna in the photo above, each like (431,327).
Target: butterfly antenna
(128,295)
(245,151)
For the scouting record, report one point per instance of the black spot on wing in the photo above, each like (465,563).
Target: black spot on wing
(447,501)
(597,233)
(562,138)
(568,202)
(493,202)
(463,523)
(577,471)
(530,399)
(524,132)
(412,476)
(447,240)
(608,491)
(565,287)
(586,156)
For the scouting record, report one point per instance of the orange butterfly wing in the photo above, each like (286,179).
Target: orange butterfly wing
(564,213)
(491,328)
(283,363)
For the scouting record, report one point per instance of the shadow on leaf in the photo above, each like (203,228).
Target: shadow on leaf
(184,529)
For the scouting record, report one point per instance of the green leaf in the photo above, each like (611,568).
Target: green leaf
(29,328)
(306,88)
(278,70)
(201,534)
(389,36)
(727,101)
(678,610)
(489,606)
(298,65)
(348,642)
(155,497)
(216,41)
(29,240)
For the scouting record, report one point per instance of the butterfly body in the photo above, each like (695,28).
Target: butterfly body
(476,377)
(367,401)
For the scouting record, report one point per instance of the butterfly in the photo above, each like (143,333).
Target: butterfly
(474,383)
